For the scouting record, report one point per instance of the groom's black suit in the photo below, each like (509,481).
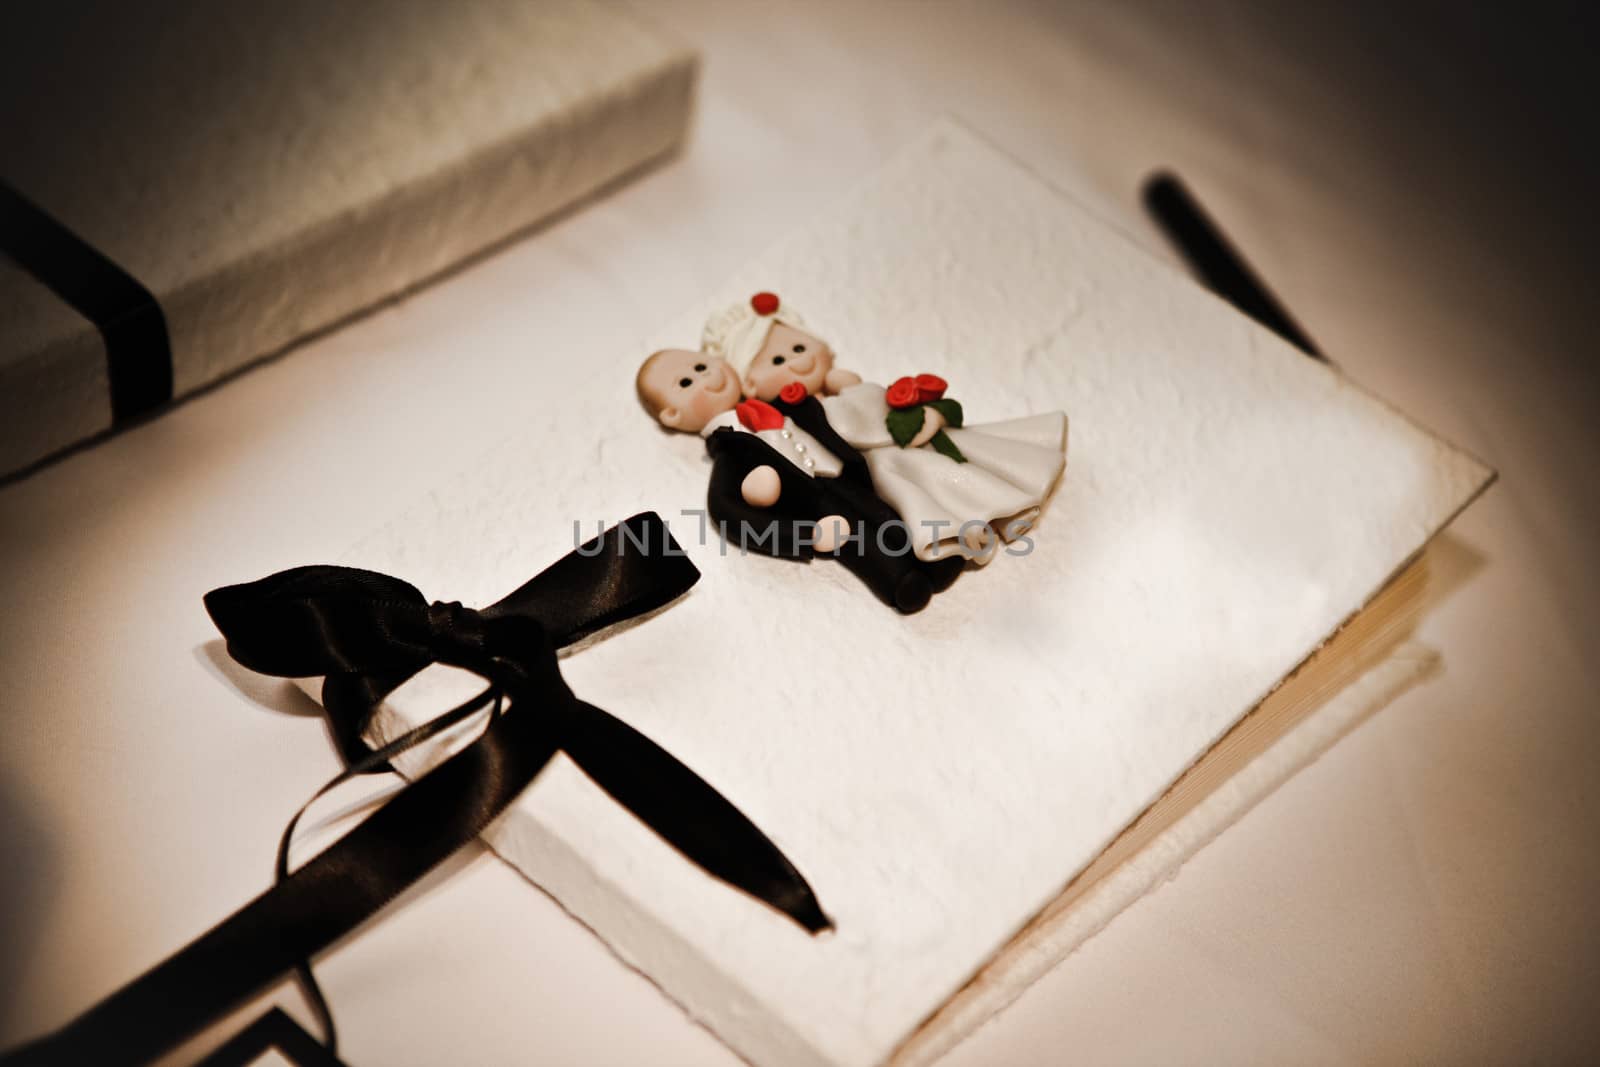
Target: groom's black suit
(880,558)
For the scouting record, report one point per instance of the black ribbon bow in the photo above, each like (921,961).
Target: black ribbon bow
(368,633)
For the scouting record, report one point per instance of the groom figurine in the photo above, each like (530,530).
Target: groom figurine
(783,482)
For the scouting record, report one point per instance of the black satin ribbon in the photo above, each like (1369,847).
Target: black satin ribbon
(276,1031)
(368,632)
(138,354)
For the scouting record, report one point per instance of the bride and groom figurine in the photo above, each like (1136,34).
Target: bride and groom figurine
(808,460)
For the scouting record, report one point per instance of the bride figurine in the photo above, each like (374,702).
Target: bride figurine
(962,490)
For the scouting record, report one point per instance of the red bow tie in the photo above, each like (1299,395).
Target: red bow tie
(757,415)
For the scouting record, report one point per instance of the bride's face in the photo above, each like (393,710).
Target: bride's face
(788,355)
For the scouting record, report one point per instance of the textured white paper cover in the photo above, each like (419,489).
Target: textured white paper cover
(939,778)
(268,169)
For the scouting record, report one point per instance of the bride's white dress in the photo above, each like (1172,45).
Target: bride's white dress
(1011,468)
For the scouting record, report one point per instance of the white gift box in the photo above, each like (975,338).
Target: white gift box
(943,780)
(266,171)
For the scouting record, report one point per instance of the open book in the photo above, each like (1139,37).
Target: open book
(974,789)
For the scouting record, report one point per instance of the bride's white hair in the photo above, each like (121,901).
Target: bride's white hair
(737,332)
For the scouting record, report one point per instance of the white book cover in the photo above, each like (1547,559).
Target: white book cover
(940,778)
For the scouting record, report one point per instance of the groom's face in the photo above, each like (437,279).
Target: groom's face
(687,388)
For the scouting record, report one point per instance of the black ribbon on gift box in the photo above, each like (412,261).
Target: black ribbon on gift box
(130,321)
(367,633)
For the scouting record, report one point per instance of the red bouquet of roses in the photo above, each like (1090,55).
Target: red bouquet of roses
(914,403)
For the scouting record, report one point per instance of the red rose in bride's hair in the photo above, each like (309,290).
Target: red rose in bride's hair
(930,387)
(792,393)
(903,393)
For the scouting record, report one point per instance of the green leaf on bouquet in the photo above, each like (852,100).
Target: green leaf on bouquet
(944,446)
(950,409)
(904,424)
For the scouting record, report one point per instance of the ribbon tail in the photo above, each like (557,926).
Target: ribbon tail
(322,901)
(630,569)
(687,812)
(272,1031)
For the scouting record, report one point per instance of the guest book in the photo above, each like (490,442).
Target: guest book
(186,188)
(1219,586)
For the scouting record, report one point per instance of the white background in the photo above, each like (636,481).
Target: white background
(1423,892)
